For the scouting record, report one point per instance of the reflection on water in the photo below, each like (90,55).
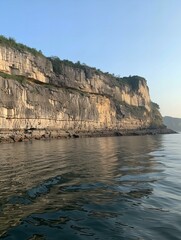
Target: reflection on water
(97,188)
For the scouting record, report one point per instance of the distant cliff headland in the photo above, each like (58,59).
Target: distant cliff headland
(44,97)
(172,123)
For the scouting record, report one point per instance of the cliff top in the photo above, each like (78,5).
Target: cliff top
(58,65)
(11,42)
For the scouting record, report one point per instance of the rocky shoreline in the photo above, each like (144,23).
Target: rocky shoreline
(11,136)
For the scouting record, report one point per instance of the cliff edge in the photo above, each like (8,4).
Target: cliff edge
(48,96)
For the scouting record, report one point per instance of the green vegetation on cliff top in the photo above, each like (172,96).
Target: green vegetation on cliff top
(11,42)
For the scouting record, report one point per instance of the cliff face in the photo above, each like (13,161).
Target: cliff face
(15,62)
(30,105)
(70,98)
(89,81)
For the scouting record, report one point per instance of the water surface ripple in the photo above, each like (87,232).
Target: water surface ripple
(91,188)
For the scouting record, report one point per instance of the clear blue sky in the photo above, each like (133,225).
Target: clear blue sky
(125,37)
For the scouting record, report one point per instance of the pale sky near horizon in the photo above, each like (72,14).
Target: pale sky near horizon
(124,37)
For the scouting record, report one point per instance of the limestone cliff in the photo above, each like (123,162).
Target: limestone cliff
(46,93)
(15,62)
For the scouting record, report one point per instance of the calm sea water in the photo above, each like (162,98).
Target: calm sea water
(91,188)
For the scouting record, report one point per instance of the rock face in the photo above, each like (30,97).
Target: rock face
(15,62)
(53,94)
(89,81)
(30,105)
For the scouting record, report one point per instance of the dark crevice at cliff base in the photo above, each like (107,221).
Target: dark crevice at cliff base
(7,136)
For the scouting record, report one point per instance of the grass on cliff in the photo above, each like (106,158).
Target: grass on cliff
(18,78)
(11,42)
